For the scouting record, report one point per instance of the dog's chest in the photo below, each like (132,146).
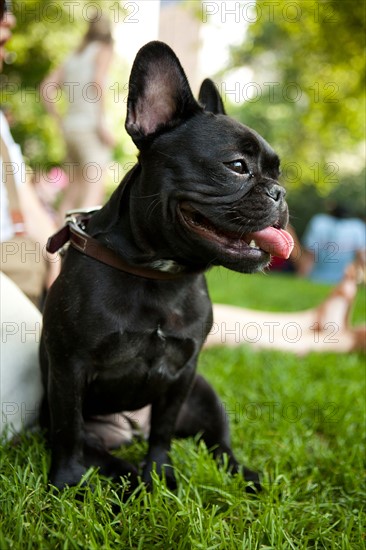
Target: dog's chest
(125,350)
(137,366)
(152,341)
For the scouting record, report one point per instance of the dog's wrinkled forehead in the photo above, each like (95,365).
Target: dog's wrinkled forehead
(231,135)
(217,137)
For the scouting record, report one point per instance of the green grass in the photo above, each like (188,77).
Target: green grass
(274,292)
(299,421)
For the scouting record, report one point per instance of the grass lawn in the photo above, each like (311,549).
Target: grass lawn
(299,421)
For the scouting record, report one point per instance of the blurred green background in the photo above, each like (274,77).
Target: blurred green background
(312,56)
(307,57)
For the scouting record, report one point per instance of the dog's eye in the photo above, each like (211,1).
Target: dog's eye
(238,166)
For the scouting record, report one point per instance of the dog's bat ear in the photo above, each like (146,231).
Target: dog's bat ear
(210,98)
(159,95)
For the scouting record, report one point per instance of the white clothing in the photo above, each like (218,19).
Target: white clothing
(15,154)
(20,376)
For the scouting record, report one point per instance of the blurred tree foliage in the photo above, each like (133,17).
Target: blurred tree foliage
(307,94)
(45,33)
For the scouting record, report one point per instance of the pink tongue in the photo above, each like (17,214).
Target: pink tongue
(274,241)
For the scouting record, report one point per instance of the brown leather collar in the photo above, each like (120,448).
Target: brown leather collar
(74,233)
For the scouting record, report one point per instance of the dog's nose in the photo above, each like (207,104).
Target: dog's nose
(276,192)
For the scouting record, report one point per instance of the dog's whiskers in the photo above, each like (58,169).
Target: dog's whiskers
(165,154)
(144,196)
(152,207)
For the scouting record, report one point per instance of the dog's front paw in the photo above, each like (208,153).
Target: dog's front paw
(163,470)
(67,475)
(252,477)
(170,479)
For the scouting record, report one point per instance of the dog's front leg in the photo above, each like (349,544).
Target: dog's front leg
(65,390)
(164,414)
(161,433)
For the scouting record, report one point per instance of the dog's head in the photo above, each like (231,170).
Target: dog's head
(208,192)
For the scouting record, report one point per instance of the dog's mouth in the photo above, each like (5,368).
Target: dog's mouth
(271,240)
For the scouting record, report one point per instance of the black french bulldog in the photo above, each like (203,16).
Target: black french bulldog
(204,188)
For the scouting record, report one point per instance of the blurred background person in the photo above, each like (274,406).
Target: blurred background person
(88,141)
(330,243)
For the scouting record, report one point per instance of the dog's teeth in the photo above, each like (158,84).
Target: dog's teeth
(252,244)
